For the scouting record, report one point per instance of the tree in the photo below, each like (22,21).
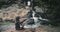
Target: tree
(52,5)
(53,9)
(6,3)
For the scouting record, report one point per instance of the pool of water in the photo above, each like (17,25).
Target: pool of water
(6,25)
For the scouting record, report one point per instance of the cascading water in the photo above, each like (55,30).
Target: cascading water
(33,16)
(37,22)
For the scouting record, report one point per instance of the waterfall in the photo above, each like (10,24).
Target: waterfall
(28,3)
(37,20)
(33,16)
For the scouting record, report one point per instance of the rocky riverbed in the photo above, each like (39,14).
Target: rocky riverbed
(10,27)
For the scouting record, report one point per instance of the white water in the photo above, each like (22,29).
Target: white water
(28,3)
(35,20)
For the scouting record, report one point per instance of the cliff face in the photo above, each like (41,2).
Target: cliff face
(13,11)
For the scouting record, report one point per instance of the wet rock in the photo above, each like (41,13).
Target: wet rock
(42,22)
(30,22)
(1,20)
